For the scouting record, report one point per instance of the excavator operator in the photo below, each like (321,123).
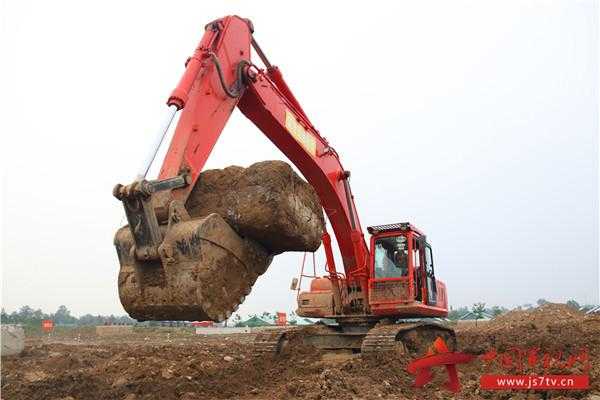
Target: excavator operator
(391,258)
(401,262)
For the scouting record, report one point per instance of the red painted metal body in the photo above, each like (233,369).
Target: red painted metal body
(268,102)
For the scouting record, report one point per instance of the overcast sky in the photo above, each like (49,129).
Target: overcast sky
(477,121)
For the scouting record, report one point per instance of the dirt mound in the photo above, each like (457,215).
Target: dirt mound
(267,202)
(552,326)
(543,316)
(535,341)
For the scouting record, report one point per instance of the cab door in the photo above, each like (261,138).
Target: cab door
(431,287)
(418,251)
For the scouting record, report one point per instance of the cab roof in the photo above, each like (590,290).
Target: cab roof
(400,226)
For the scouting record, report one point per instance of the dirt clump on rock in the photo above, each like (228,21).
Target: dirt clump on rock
(267,202)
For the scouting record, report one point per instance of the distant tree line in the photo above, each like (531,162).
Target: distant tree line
(479,310)
(28,316)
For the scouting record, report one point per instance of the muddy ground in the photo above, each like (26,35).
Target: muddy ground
(170,363)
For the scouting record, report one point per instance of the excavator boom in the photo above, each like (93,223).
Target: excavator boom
(220,76)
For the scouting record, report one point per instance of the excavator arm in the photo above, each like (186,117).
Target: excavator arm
(219,76)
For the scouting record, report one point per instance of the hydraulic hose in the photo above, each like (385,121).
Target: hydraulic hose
(236,90)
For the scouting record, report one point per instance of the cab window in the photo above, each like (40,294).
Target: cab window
(391,257)
(416,254)
(428,261)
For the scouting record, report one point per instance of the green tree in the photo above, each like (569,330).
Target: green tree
(25,314)
(63,316)
(38,315)
(14,317)
(126,320)
(478,309)
(89,319)
(4,317)
(497,310)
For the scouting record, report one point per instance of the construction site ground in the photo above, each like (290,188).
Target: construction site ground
(175,363)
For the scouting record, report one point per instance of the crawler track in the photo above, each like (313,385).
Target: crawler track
(414,337)
(270,342)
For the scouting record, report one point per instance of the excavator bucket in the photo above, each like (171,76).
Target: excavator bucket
(204,272)
(199,261)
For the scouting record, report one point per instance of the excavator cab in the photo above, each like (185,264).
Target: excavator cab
(401,283)
(402,279)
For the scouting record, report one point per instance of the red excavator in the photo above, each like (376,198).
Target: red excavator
(388,294)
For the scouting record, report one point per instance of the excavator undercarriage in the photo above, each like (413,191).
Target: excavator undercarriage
(412,337)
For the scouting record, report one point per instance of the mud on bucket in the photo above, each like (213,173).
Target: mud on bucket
(205,271)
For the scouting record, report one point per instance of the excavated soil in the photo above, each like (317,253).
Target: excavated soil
(267,202)
(175,364)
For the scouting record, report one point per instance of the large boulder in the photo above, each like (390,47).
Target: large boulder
(267,202)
